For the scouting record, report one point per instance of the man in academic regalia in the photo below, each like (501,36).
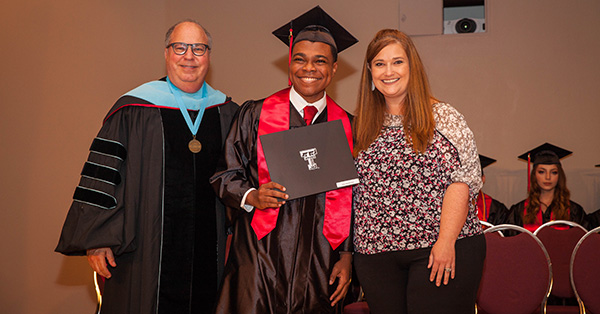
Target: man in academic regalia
(144,212)
(287,256)
(489,209)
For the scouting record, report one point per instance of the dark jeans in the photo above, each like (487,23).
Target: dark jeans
(398,282)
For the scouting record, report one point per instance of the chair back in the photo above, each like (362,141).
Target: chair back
(358,307)
(517,273)
(585,278)
(485,224)
(560,238)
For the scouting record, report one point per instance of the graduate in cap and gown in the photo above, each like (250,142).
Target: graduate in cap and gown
(287,256)
(548,197)
(489,209)
(594,217)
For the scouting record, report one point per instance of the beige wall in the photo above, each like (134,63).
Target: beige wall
(531,78)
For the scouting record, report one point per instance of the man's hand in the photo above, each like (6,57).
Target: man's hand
(343,271)
(97,259)
(267,196)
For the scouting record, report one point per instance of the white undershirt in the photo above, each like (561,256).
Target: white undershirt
(299,103)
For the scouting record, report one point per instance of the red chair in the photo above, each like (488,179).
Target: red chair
(358,307)
(485,224)
(517,273)
(585,278)
(560,238)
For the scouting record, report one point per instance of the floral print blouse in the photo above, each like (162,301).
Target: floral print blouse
(398,202)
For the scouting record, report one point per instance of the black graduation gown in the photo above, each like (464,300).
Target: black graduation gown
(594,219)
(577,213)
(148,198)
(497,212)
(288,270)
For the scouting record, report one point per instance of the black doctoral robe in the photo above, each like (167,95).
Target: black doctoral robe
(148,198)
(288,270)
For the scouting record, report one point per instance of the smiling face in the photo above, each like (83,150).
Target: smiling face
(547,177)
(187,71)
(390,72)
(311,69)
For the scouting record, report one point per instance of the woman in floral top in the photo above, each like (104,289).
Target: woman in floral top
(418,242)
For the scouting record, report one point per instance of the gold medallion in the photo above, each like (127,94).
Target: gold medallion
(195,146)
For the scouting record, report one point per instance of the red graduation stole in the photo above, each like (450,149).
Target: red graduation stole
(539,220)
(275,117)
(484,202)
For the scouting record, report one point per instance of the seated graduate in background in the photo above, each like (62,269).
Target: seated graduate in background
(594,217)
(548,196)
(489,209)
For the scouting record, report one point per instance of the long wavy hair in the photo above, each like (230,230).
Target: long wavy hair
(418,121)
(560,200)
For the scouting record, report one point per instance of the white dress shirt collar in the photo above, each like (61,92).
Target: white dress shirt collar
(299,103)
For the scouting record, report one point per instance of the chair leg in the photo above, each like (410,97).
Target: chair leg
(98,293)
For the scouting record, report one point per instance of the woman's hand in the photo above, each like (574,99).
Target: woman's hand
(442,258)
(442,262)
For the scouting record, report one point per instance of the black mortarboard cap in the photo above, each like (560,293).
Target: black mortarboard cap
(316,16)
(485,161)
(546,154)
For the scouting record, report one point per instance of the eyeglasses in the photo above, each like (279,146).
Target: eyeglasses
(181,48)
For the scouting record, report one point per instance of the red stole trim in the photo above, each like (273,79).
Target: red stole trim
(275,117)
(528,172)
(483,207)
(539,220)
